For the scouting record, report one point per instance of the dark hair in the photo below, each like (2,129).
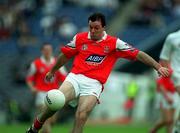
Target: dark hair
(45,44)
(98,17)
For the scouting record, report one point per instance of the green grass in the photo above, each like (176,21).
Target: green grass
(20,128)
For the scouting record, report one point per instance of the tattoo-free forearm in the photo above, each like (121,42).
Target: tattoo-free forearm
(148,60)
(60,62)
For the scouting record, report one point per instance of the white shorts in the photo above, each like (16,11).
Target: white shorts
(176,79)
(161,101)
(84,85)
(40,98)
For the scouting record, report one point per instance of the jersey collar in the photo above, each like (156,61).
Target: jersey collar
(44,60)
(103,38)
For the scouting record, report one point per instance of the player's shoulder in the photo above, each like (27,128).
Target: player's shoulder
(82,34)
(112,37)
(37,61)
(81,37)
(174,35)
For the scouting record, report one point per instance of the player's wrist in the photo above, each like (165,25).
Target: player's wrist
(158,67)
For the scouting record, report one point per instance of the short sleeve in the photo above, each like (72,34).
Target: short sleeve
(124,50)
(31,72)
(69,50)
(128,54)
(121,45)
(72,43)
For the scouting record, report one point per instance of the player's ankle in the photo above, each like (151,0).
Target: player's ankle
(34,129)
(37,125)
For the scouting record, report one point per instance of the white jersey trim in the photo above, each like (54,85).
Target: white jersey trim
(72,43)
(123,46)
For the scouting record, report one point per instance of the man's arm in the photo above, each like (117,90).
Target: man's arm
(165,55)
(61,60)
(148,60)
(30,84)
(30,78)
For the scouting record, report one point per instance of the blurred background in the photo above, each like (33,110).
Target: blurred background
(26,24)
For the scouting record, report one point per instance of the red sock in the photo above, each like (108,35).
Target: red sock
(37,124)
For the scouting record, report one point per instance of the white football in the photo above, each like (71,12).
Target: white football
(54,99)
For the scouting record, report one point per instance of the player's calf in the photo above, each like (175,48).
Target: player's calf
(54,100)
(36,126)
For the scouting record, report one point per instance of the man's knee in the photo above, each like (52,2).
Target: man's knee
(82,115)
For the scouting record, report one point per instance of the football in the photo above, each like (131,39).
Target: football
(54,99)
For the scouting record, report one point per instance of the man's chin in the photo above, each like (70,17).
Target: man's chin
(94,38)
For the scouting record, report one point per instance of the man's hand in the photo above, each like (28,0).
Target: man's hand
(163,71)
(34,90)
(49,76)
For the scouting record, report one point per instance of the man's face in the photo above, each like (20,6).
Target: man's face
(47,51)
(96,30)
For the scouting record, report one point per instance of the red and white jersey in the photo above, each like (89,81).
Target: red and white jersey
(37,73)
(95,59)
(167,83)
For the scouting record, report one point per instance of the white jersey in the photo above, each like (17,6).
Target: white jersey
(171,51)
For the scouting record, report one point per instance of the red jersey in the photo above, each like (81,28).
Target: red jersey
(167,83)
(38,71)
(95,59)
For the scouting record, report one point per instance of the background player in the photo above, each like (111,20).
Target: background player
(38,86)
(170,56)
(167,103)
(95,54)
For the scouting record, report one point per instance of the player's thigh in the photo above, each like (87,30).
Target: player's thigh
(68,90)
(168,114)
(86,103)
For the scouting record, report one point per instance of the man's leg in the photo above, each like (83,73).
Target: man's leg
(169,113)
(69,93)
(85,106)
(160,123)
(46,128)
(176,127)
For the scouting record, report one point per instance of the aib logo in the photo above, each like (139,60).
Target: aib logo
(95,58)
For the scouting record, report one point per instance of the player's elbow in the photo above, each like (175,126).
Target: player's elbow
(140,56)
